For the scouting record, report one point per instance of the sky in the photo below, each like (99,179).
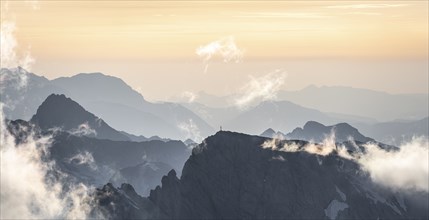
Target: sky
(163,49)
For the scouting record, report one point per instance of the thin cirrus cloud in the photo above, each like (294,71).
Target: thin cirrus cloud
(363,13)
(367,6)
(282,15)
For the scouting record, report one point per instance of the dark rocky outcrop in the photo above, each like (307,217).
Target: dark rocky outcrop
(230,176)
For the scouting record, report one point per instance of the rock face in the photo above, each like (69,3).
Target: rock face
(94,161)
(121,203)
(317,132)
(230,176)
(58,111)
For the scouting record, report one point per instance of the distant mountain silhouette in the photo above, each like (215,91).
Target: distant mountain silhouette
(397,132)
(314,131)
(269,133)
(360,102)
(58,111)
(278,115)
(141,138)
(108,97)
(125,109)
(22,92)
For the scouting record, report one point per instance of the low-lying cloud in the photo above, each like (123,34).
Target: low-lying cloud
(32,187)
(226,48)
(83,130)
(84,158)
(259,89)
(406,168)
(403,169)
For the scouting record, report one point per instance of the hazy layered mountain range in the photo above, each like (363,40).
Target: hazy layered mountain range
(89,151)
(108,97)
(298,168)
(126,110)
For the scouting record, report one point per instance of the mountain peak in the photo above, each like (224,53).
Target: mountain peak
(268,133)
(316,131)
(313,125)
(59,111)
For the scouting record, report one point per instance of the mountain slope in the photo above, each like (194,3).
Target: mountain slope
(58,111)
(106,96)
(113,99)
(314,131)
(232,176)
(95,161)
(22,92)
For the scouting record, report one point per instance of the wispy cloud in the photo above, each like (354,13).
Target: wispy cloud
(84,130)
(363,13)
(406,168)
(84,158)
(226,48)
(403,169)
(10,57)
(282,15)
(261,89)
(29,188)
(191,130)
(367,6)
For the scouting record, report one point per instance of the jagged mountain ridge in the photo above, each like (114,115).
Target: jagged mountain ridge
(58,111)
(230,176)
(317,132)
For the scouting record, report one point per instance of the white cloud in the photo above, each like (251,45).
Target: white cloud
(28,188)
(367,6)
(84,158)
(83,130)
(191,130)
(8,42)
(406,168)
(261,89)
(403,169)
(226,48)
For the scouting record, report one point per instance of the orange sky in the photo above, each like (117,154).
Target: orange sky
(142,29)
(62,33)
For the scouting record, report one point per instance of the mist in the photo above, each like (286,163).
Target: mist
(32,187)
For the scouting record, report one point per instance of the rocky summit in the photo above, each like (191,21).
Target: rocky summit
(230,176)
